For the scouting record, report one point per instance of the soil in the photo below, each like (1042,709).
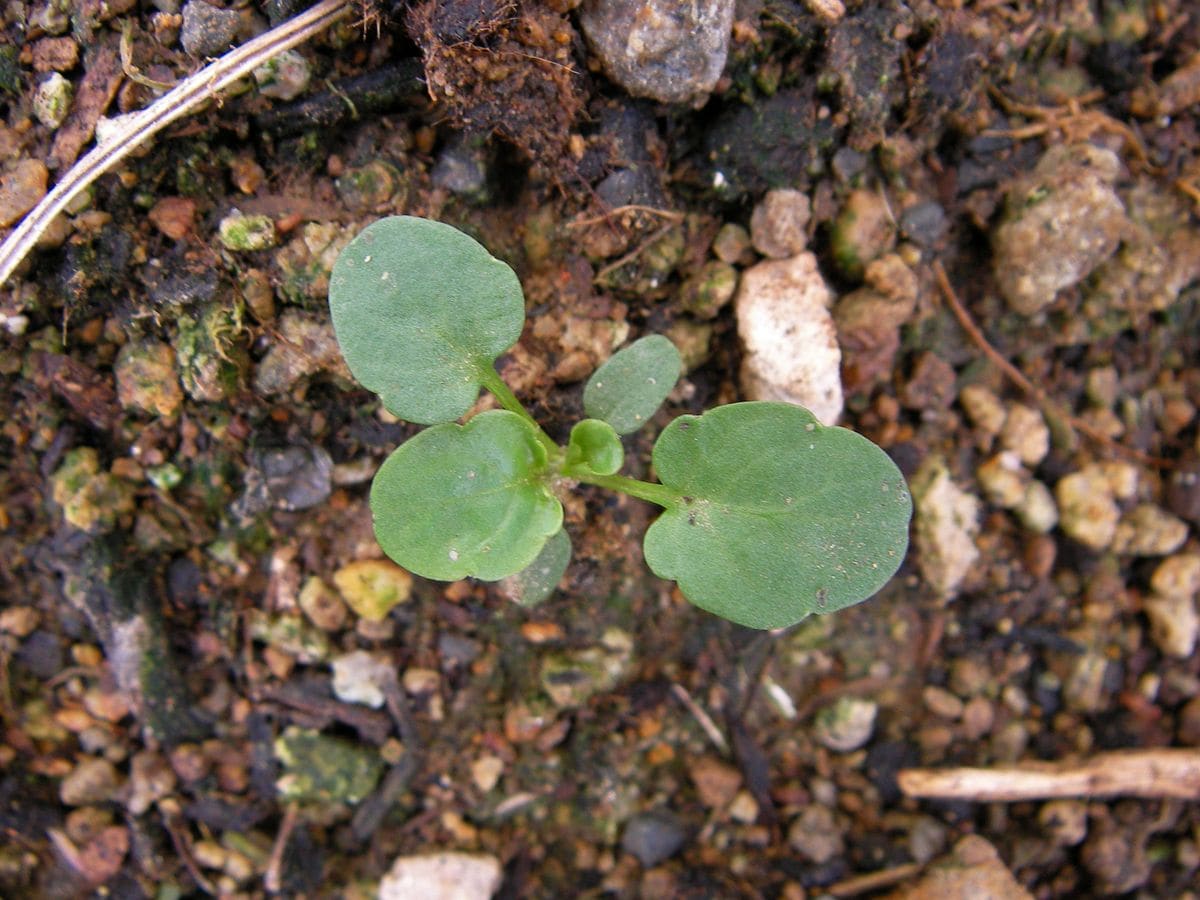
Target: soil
(186,463)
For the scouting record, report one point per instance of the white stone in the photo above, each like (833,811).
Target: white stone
(1003,479)
(1087,510)
(442,876)
(1148,530)
(983,408)
(1178,576)
(791,348)
(359,677)
(1173,624)
(1025,433)
(1037,510)
(779,222)
(947,520)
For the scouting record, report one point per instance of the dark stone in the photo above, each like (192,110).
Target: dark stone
(924,223)
(288,478)
(848,163)
(207,30)
(653,837)
(1183,492)
(779,142)
(42,654)
(457,650)
(173,283)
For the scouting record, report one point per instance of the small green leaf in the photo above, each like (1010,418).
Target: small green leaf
(540,578)
(630,387)
(778,516)
(421,312)
(466,500)
(595,448)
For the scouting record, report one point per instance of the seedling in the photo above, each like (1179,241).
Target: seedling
(768,516)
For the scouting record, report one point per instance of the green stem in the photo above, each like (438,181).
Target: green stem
(493,382)
(643,490)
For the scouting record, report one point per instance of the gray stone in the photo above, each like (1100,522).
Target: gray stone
(360,677)
(1062,221)
(662,49)
(815,836)
(207,30)
(653,837)
(789,336)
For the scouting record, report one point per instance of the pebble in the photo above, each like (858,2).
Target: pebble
(19,621)
(242,233)
(717,783)
(1183,492)
(708,291)
(290,634)
(941,702)
(983,408)
(148,379)
(285,76)
(210,352)
(306,346)
(573,677)
(150,779)
(778,225)
(486,772)
(1174,623)
(744,808)
(1003,480)
(372,587)
(1177,576)
(442,876)
(668,51)
(924,223)
(1149,530)
(21,188)
(360,677)
(207,30)
(52,100)
(972,869)
(173,216)
(318,768)
(1087,507)
(1065,821)
(653,837)
(55,54)
(1085,687)
(815,835)
(1062,220)
(91,500)
(978,717)
(864,230)
(92,781)
(370,186)
(845,725)
(731,243)
(947,521)
(1026,434)
(462,169)
(791,348)
(290,478)
(926,839)
(1037,510)
(322,605)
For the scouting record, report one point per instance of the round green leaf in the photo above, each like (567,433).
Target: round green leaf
(778,516)
(594,447)
(630,387)
(466,500)
(421,310)
(540,578)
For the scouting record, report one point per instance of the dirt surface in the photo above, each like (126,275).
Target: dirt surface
(211,683)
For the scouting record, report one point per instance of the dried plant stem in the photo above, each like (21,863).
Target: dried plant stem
(1122,773)
(178,102)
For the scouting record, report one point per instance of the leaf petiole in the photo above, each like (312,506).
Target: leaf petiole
(491,380)
(659,494)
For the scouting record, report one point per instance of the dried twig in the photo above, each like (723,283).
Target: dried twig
(1052,409)
(1129,773)
(273,879)
(872,881)
(180,101)
(703,718)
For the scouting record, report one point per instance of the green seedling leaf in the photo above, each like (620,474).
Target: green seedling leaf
(466,500)
(538,580)
(594,448)
(630,387)
(777,516)
(421,312)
